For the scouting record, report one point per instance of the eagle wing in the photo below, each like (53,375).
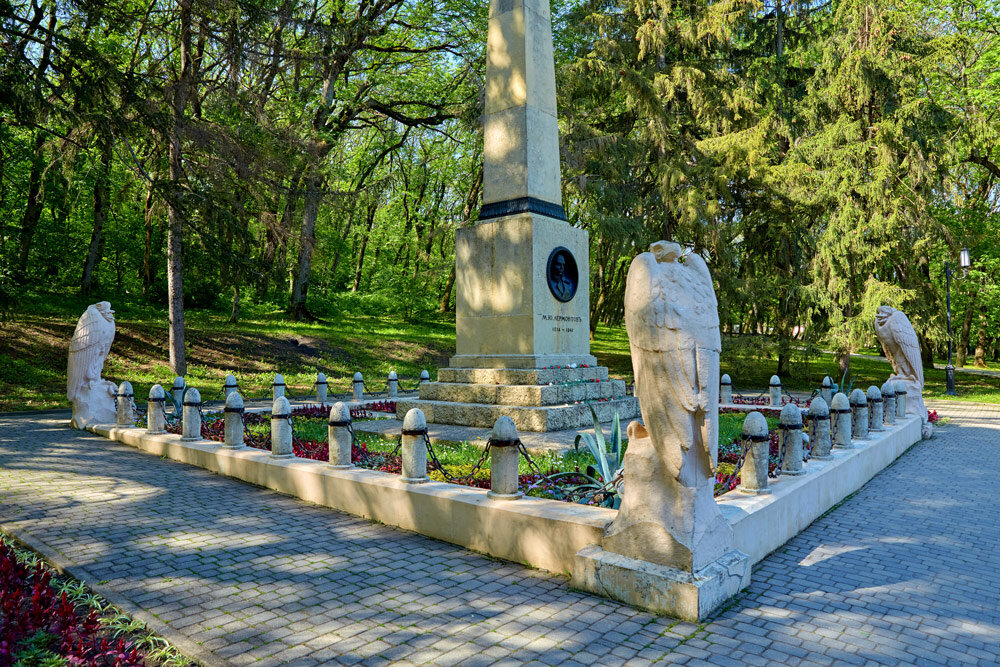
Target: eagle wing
(901,346)
(663,320)
(88,348)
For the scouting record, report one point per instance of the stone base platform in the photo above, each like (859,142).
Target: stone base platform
(658,588)
(537,399)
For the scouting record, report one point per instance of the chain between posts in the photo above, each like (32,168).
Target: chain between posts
(744,448)
(781,455)
(440,466)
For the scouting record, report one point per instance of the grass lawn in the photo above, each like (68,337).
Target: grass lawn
(35,346)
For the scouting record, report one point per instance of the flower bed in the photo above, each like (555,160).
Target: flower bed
(309,441)
(40,626)
(765,401)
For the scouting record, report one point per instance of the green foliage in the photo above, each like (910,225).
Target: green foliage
(37,651)
(608,454)
(827,158)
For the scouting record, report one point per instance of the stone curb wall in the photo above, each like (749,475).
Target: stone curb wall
(763,523)
(541,533)
(534,531)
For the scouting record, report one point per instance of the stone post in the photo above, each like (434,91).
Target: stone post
(177,391)
(230,387)
(819,420)
(753,475)
(155,419)
(900,388)
(191,421)
(278,386)
(126,408)
(424,377)
(840,410)
(281,428)
(775,391)
(339,436)
(393,384)
(790,425)
(359,387)
(826,391)
(859,415)
(504,457)
(413,448)
(233,430)
(725,390)
(874,409)
(888,404)
(321,387)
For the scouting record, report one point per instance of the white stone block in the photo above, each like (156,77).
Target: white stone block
(413,448)
(191,424)
(340,436)
(233,427)
(281,428)
(155,410)
(126,406)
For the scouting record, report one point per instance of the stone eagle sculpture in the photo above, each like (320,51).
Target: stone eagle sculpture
(92,397)
(668,513)
(902,348)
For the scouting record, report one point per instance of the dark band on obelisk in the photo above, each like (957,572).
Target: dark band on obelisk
(522,205)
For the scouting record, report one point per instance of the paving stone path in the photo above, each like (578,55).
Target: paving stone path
(906,571)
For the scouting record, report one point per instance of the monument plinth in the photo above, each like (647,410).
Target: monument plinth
(522,272)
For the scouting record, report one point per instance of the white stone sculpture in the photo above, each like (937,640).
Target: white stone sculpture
(668,513)
(92,397)
(669,548)
(902,348)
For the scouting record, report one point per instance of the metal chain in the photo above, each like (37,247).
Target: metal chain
(448,476)
(608,488)
(745,447)
(781,456)
(808,448)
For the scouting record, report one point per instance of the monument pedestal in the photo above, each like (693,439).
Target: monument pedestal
(522,332)
(658,588)
(538,399)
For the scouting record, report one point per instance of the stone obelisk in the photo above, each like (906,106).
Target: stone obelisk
(509,312)
(522,272)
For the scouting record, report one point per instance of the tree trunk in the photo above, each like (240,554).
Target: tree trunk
(175,217)
(963,338)
(300,285)
(276,232)
(981,347)
(926,352)
(234,317)
(359,267)
(844,363)
(449,284)
(783,359)
(102,193)
(147,250)
(32,211)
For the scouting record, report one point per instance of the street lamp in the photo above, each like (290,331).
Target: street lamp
(964,262)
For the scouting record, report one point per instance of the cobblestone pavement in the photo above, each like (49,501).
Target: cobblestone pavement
(906,571)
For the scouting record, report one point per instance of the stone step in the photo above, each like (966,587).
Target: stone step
(535,419)
(521,395)
(515,376)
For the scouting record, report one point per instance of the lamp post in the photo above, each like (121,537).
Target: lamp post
(964,262)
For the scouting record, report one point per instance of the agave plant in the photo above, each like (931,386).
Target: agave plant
(603,481)
(842,387)
(608,459)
